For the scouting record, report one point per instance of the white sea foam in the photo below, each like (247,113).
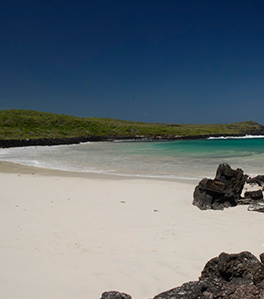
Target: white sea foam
(237,137)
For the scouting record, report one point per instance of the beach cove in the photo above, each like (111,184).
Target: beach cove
(128,129)
(75,235)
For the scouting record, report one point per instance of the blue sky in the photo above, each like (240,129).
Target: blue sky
(172,61)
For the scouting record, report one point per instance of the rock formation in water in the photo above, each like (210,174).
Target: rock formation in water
(233,276)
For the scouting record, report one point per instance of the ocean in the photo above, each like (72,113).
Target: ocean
(182,159)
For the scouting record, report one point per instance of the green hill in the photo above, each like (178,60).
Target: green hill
(27,124)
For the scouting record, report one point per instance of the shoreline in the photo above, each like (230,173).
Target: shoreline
(7,143)
(12,167)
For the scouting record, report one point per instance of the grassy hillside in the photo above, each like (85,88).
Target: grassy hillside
(25,124)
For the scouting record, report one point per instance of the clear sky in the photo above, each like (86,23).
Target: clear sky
(172,61)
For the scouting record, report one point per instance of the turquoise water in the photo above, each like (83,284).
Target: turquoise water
(183,159)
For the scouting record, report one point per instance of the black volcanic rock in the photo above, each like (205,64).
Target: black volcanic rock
(192,290)
(222,192)
(228,276)
(256,207)
(254,195)
(259,180)
(115,295)
(234,268)
(234,276)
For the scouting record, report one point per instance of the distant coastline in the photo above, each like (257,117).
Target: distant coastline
(29,128)
(8,143)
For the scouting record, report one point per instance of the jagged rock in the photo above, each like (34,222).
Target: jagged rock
(115,295)
(245,201)
(192,290)
(257,180)
(222,192)
(246,292)
(252,198)
(261,257)
(234,180)
(256,207)
(234,276)
(255,195)
(234,268)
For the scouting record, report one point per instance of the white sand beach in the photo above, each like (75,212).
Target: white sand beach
(66,236)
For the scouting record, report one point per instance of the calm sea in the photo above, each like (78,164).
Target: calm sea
(188,159)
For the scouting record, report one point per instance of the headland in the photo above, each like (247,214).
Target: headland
(27,128)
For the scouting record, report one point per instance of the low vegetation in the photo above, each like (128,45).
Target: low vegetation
(27,124)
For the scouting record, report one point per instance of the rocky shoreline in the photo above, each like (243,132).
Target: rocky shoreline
(7,143)
(233,276)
